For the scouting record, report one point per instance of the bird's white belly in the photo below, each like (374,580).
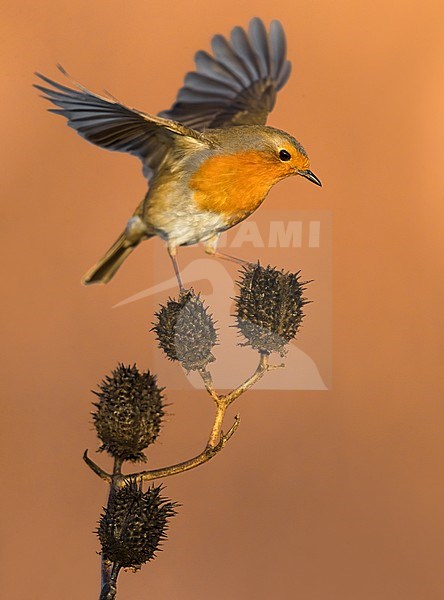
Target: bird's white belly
(193,227)
(172,213)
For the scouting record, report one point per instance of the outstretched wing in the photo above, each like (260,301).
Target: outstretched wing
(112,125)
(238,85)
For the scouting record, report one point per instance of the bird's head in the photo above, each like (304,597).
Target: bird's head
(265,154)
(285,155)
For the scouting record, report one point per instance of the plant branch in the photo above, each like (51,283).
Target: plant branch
(261,369)
(208,383)
(96,469)
(200,459)
(109,586)
(216,441)
(109,570)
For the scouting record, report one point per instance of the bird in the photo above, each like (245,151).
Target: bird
(210,159)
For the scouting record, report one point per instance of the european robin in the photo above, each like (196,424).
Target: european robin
(210,159)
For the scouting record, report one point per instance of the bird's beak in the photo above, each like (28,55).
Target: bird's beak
(310,176)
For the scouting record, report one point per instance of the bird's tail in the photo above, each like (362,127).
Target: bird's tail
(107,266)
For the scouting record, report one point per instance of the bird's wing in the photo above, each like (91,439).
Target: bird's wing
(238,84)
(112,125)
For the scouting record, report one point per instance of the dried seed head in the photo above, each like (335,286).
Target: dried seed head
(129,412)
(134,524)
(185,331)
(269,307)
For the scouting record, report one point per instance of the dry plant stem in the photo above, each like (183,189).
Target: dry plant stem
(186,465)
(109,587)
(110,570)
(223,402)
(206,455)
(96,469)
(216,441)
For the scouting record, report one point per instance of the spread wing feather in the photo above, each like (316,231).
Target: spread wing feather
(238,84)
(112,125)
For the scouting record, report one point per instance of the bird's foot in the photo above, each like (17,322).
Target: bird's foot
(235,259)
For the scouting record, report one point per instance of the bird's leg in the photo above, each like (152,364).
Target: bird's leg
(172,250)
(210,247)
(235,259)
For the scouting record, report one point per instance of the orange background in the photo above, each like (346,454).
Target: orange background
(332,495)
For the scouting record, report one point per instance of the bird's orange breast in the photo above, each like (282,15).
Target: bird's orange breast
(235,184)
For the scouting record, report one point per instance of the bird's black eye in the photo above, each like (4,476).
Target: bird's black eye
(284,155)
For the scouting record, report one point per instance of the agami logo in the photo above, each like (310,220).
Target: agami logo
(292,240)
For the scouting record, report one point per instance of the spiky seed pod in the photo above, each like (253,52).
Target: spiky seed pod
(185,331)
(134,524)
(269,307)
(129,412)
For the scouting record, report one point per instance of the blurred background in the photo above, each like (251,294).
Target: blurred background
(321,495)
